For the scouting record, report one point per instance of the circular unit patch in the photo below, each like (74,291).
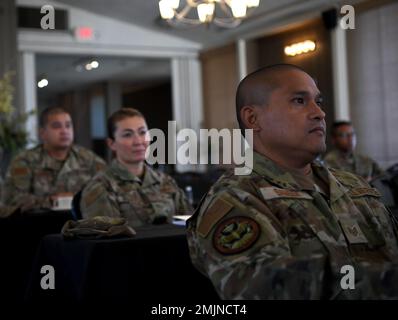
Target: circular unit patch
(235,235)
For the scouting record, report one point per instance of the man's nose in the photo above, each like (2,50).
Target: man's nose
(317,112)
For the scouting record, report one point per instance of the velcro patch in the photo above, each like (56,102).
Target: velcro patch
(218,210)
(236,235)
(360,192)
(274,193)
(353,231)
(91,196)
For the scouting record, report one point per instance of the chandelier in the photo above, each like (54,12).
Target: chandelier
(224,13)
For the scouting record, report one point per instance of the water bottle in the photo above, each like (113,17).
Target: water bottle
(189,194)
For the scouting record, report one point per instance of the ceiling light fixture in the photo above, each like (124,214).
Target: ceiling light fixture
(224,13)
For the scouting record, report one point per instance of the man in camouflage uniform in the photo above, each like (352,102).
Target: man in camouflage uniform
(55,168)
(344,157)
(116,192)
(286,230)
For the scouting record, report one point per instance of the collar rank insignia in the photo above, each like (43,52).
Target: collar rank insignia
(353,231)
(235,235)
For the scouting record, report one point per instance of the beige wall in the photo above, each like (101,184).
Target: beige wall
(317,63)
(220,73)
(220,79)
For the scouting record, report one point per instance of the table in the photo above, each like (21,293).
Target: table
(20,235)
(154,265)
(35,222)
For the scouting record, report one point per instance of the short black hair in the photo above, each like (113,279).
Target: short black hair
(247,92)
(119,115)
(43,118)
(338,124)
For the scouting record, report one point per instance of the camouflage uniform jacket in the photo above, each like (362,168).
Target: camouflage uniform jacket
(262,237)
(356,163)
(118,193)
(33,176)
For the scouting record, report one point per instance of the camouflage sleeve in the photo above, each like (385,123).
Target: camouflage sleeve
(374,280)
(98,164)
(376,170)
(243,249)
(385,222)
(183,207)
(329,160)
(379,281)
(368,200)
(6,211)
(98,200)
(18,191)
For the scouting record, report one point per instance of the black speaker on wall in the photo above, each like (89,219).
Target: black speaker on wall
(329,18)
(30,17)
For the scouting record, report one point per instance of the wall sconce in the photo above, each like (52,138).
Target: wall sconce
(299,48)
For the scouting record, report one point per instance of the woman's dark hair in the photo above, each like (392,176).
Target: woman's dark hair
(118,116)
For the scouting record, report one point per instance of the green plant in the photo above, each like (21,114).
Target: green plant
(13,136)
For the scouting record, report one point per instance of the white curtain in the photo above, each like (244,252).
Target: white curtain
(372,50)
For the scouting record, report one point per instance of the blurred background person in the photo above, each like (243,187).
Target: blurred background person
(345,158)
(55,168)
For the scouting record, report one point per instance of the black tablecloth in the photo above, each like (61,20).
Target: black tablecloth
(155,265)
(20,235)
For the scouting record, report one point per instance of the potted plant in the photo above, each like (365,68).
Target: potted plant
(13,136)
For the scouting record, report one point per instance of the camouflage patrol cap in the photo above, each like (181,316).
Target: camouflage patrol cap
(97,227)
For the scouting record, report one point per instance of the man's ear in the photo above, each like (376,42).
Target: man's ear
(249,117)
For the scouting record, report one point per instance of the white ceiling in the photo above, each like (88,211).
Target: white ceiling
(271,14)
(145,13)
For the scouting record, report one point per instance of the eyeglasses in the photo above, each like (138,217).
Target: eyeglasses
(345,134)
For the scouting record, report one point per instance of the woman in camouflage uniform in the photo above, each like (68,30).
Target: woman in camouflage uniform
(128,187)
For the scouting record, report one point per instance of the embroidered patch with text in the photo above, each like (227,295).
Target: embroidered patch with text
(273,193)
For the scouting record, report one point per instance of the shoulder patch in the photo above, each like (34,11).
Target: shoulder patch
(235,235)
(218,210)
(273,192)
